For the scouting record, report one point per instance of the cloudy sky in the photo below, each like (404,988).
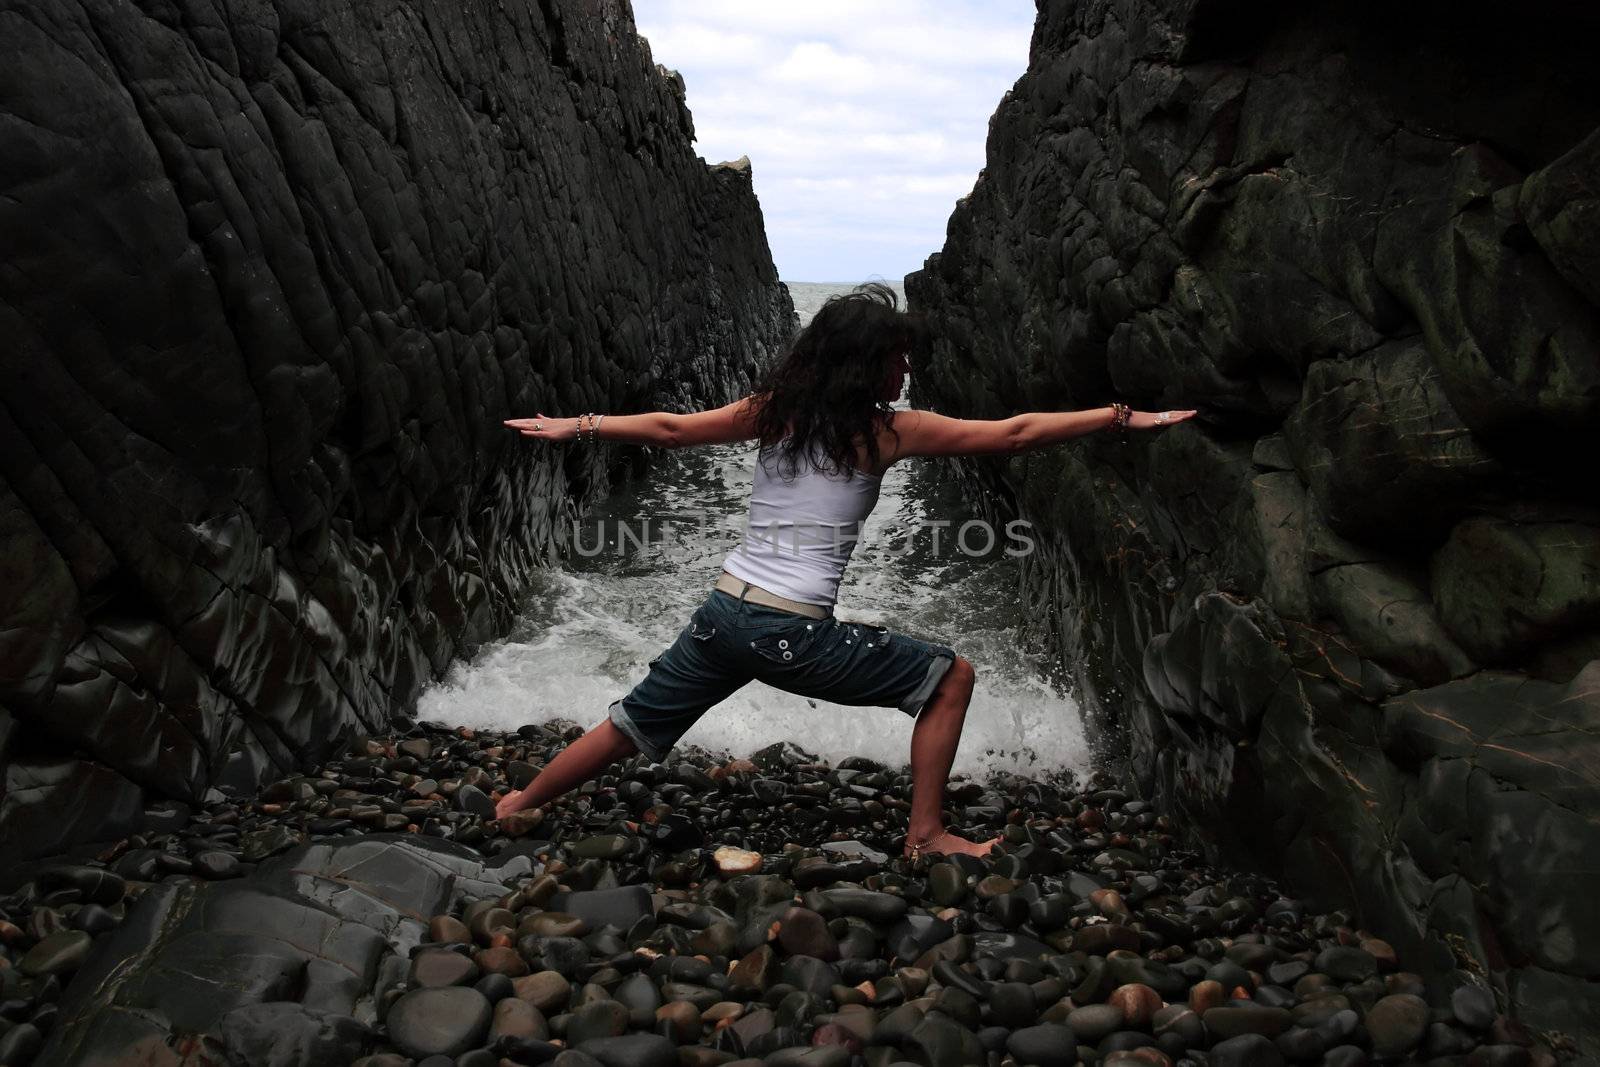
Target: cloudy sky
(864,120)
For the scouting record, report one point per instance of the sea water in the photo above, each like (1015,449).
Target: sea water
(590,625)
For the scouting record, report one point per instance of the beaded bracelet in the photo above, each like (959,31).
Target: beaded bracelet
(1120,414)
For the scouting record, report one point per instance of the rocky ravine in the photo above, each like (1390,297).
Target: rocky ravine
(1344,626)
(273,274)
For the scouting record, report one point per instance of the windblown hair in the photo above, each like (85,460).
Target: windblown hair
(822,395)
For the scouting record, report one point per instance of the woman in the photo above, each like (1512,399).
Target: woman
(828,434)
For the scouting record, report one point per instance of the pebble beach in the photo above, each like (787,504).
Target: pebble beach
(711,910)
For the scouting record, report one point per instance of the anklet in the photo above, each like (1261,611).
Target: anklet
(917,847)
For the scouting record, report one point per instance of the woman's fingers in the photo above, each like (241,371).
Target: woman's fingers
(1157,420)
(538,426)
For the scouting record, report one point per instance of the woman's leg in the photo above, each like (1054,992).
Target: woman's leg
(689,678)
(933,749)
(580,761)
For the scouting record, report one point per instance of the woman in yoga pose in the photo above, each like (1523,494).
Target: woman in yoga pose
(828,433)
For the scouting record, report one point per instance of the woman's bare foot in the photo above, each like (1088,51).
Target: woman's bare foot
(602,745)
(512,803)
(945,843)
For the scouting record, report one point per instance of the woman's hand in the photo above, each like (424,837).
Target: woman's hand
(545,428)
(1156,420)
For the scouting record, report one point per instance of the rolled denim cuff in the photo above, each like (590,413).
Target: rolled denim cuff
(941,662)
(655,752)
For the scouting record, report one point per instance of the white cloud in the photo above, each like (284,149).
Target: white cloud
(864,122)
(955,185)
(920,145)
(819,67)
(828,17)
(945,188)
(962,45)
(706,47)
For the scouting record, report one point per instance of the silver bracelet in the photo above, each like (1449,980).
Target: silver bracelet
(595,434)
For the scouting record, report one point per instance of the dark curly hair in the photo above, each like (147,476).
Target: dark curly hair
(822,395)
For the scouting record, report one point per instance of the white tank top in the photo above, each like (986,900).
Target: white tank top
(800,533)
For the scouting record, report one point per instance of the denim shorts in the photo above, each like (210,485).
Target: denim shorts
(730,641)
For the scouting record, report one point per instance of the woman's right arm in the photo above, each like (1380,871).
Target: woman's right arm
(927,433)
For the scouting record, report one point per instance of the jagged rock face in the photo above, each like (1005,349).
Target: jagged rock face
(274,274)
(1349,619)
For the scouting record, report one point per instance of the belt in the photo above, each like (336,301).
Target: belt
(756,595)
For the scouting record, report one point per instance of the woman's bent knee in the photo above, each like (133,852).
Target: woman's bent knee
(961,674)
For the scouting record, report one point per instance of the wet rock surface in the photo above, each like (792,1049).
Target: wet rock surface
(275,273)
(454,939)
(1344,625)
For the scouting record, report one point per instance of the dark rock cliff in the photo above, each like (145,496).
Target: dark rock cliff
(1349,618)
(273,272)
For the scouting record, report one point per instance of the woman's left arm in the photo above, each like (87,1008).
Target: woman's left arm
(664,429)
